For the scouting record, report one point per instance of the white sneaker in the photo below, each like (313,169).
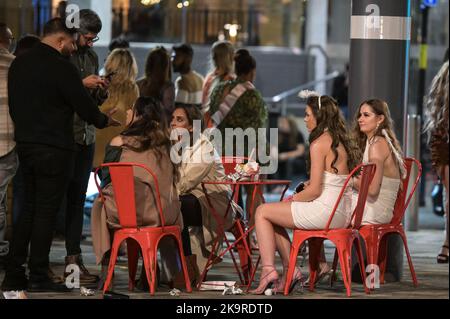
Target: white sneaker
(15,295)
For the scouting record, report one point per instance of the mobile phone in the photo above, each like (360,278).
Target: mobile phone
(299,187)
(109,76)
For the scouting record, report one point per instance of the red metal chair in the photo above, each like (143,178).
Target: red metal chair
(144,238)
(344,239)
(375,236)
(237,229)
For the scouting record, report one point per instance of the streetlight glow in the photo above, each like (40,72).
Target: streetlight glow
(232,29)
(150,2)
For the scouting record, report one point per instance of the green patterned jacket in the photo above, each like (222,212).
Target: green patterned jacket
(250,110)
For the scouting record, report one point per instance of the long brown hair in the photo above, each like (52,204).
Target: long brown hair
(379,107)
(329,118)
(158,72)
(192,112)
(150,130)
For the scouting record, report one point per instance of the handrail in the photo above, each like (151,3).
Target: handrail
(283,95)
(321,50)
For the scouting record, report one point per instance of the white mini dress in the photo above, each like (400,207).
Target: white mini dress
(381,210)
(315,214)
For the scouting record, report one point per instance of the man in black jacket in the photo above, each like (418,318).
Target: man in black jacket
(86,61)
(45,90)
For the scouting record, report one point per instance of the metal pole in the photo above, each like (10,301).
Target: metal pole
(379,61)
(423,61)
(284,107)
(423,65)
(22,17)
(287,14)
(316,37)
(413,150)
(184,24)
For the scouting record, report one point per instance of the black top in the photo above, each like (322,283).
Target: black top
(340,90)
(86,62)
(284,145)
(112,155)
(44,91)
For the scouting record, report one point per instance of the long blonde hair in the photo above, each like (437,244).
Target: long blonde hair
(437,104)
(123,83)
(222,57)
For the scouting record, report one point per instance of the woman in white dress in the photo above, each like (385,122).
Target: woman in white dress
(374,134)
(331,158)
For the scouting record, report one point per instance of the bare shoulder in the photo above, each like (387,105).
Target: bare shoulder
(325,139)
(323,142)
(379,148)
(117,141)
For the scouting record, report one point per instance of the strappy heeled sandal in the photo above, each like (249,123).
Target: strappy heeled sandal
(443,258)
(328,272)
(266,283)
(296,279)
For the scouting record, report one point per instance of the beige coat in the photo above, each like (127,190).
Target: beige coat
(102,220)
(7,143)
(193,171)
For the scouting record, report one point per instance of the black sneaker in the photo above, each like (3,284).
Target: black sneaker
(14,283)
(47,286)
(2,262)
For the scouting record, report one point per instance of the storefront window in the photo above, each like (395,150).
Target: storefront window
(247,22)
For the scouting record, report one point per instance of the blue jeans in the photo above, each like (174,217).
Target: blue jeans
(8,167)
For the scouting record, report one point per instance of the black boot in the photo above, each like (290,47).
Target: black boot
(85,277)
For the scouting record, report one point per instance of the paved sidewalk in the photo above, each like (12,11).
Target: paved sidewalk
(424,245)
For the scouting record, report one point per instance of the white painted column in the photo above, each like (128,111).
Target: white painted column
(104,9)
(316,34)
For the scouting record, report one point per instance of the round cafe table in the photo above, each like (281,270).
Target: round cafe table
(241,228)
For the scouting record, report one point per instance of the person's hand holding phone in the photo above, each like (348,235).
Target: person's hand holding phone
(108,78)
(298,189)
(94,82)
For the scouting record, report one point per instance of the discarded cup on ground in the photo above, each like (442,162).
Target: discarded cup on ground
(268,292)
(231,290)
(86,292)
(216,285)
(175,292)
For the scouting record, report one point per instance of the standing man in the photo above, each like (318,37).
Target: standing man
(189,85)
(340,90)
(45,90)
(86,62)
(8,156)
